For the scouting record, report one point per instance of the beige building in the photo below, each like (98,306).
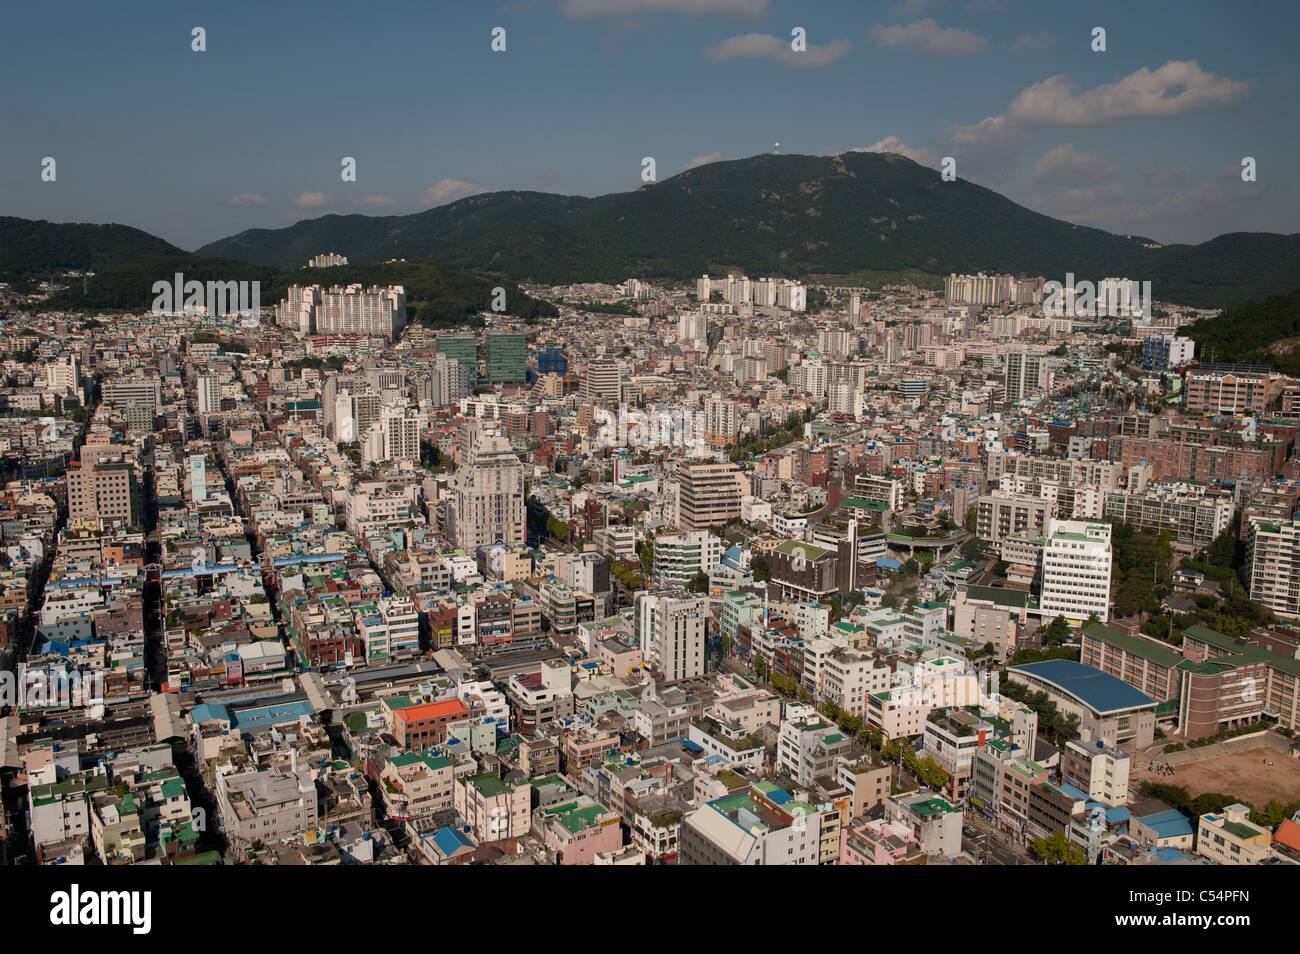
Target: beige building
(415,784)
(492,808)
(266,805)
(1229,837)
(709,494)
(104,491)
(489,497)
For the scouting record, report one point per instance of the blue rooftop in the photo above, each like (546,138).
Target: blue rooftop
(1099,691)
(450,840)
(1170,824)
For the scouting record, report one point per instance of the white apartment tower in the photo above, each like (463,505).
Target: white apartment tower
(669,630)
(603,385)
(209,392)
(1076,570)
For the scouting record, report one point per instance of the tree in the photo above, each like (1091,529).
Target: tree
(699,583)
(758,566)
(1058,850)
(972,515)
(647,555)
(930,772)
(1057,632)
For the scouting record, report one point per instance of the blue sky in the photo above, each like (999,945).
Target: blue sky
(1145,138)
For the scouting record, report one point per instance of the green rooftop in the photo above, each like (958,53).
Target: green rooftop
(1132,644)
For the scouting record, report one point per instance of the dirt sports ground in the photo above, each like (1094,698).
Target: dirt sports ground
(1242,774)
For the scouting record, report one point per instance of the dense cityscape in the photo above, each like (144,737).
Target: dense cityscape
(731,571)
(660,434)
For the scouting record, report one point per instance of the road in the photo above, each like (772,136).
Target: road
(994,848)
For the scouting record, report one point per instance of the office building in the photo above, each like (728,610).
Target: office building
(505,356)
(709,494)
(105,491)
(1076,570)
(670,630)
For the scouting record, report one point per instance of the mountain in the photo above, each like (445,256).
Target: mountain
(436,296)
(35,247)
(1257,332)
(780,215)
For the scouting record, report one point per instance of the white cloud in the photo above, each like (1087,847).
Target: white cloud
(311,200)
(914,8)
(1063,166)
(1156,174)
(1033,42)
(926,36)
(701,161)
(989,150)
(1178,87)
(585,9)
(248,198)
(926,157)
(1081,204)
(1193,203)
(448,190)
(764,46)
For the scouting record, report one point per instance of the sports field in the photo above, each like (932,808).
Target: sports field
(1242,774)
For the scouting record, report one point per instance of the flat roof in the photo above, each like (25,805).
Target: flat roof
(432,710)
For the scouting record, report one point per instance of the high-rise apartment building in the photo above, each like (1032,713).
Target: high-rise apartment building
(345,310)
(450,380)
(353,415)
(488,506)
(721,421)
(1273,558)
(395,436)
(208,387)
(1025,373)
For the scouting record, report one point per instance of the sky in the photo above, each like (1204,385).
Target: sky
(1146,137)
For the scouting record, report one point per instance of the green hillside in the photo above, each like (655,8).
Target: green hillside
(34,248)
(781,215)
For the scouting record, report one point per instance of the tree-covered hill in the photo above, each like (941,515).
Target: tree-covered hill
(781,215)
